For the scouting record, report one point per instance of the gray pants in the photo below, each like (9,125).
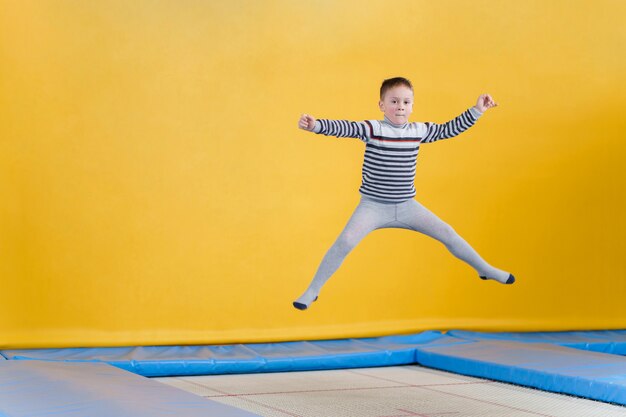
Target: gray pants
(371,215)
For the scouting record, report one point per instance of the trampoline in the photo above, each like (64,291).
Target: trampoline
(584,364)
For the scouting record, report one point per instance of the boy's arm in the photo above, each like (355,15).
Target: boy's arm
(459,124)
(338,128)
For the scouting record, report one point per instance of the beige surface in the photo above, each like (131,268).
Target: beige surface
(385,392)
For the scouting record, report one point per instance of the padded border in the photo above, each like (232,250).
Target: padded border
(585,364)
(549,367)
(38,388)
(250,358)
(607,341)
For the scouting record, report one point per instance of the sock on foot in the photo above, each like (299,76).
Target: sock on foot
(510,279)
(302,306)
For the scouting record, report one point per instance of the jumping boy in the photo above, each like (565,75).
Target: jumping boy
(388,175)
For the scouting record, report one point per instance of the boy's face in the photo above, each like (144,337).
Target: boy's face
(397,104)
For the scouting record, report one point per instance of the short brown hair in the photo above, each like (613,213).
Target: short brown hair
(394,82)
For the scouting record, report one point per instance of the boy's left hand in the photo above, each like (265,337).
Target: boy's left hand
(484,102)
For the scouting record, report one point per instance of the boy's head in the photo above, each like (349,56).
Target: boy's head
(396,99)
(394,82)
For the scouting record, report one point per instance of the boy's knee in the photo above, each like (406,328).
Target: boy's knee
(448,233)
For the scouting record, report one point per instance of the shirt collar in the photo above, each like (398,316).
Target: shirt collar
(393,124)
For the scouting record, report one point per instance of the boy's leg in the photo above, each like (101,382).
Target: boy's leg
(420,219)
(367,217)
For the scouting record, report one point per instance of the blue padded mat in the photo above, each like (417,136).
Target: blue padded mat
(37,388)
(260,357)
(548,367)
(607,341)
(548,361)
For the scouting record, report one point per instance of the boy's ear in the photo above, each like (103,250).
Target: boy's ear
(380,105)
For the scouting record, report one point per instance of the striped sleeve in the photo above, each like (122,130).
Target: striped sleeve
(454,127)
(344,129)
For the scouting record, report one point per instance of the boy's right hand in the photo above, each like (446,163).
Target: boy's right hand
(306,122)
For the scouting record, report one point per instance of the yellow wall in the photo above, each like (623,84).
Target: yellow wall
(155,189)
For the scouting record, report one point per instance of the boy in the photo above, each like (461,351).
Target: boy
(387,188)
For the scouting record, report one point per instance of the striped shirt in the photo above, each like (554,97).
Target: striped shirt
(388,173)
